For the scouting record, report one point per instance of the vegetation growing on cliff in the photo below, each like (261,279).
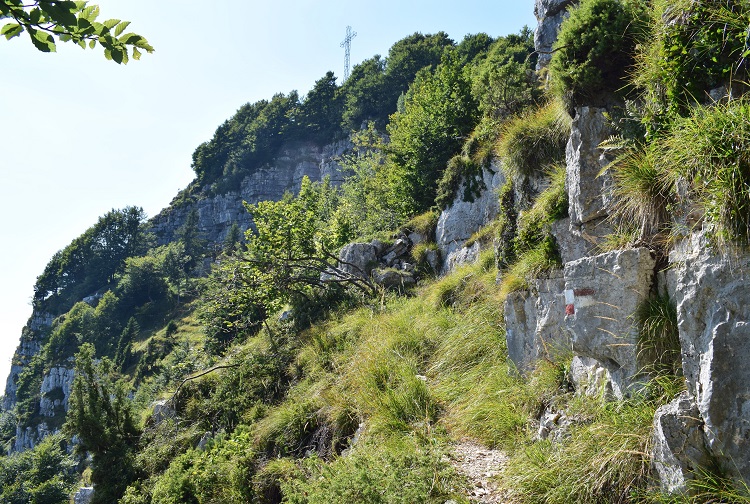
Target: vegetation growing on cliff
(283,379)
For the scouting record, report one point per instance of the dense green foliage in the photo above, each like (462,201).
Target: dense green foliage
(69,21)
(43,475)
(101,417)
(690,49)
(504,83)
(594,50)
(247,140)
(439,113)
(287,376)
(92,260)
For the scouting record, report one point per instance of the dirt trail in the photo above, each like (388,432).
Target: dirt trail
(480,465)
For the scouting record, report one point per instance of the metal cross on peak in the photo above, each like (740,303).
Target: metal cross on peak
(347,45)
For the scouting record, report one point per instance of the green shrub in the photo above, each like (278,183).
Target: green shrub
(551,205)
(535,140)
(594,50)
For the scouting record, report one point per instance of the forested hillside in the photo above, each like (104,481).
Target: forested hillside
(535,254)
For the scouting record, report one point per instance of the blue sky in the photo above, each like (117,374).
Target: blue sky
(81,135)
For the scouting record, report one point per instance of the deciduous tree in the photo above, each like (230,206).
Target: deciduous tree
(47,21)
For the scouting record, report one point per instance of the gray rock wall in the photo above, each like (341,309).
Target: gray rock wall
(713,313)
(602,293)
(679,444)
(534,322)
(57,382)
(550,15)
(216,214)
(462,219)
(28,347)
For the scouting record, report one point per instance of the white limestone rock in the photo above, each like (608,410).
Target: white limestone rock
(462,219)
(55,390)
(588,189)
(84,495)
(535,322)
(678,444)
(602,293)
(358,258)
(713,313)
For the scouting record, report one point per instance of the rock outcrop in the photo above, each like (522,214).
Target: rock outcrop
(534,322)
(713,313)
(549,14)
(462,219)
(388,265)
(28,347)
(601,295)
(217,213)
(55,391)
(679,444)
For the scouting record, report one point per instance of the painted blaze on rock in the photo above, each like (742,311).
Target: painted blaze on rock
(601,295)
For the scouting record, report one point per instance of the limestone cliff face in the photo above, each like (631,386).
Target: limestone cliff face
(462,219)
(30,345)
(217,213)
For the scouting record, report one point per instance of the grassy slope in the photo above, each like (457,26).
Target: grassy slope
(411,376)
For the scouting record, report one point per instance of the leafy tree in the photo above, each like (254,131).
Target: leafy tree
(410,55)
(364,95)
(474,47)
(175,265)
(142,283)
(248,140)
(320,113)
(233,240)
(369,202)
(288,256)
(192,244)
(101,416)
(43,475)
(371,93)
(92,260)
(229,309)
(439,113)
(47,21)
(504,83)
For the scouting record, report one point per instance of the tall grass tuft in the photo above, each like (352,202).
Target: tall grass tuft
(604,460)
(642,192)
(532,142)
(711,150)
(658,336)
